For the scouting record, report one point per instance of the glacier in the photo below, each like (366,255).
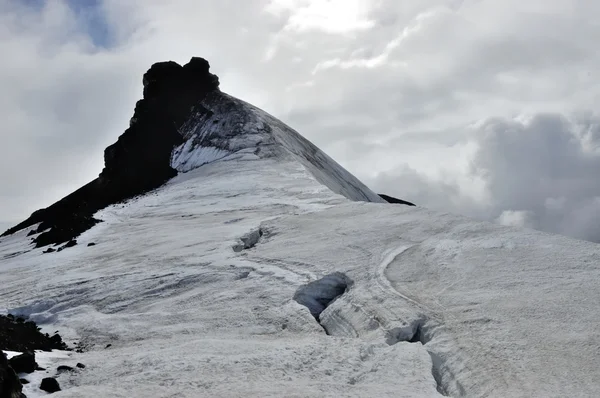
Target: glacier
(265,269)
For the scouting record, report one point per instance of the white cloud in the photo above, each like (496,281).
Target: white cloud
(515,218)
(328,16)
(479,107)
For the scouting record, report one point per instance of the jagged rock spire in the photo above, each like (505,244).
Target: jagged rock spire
(140,159)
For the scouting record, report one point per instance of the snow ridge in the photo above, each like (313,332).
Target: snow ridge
(232,125)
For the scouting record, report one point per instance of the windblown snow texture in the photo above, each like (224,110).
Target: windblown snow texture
(438,304)
(183,122)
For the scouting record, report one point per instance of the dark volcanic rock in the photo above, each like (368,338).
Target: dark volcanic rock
(10,385)
(62,229)
(80,365)
(49,250)
(91,244)
(391,199)
(56,341)
(140,159)
(24,363)
(49,384)
(16,334)
(70,243)
(24,381)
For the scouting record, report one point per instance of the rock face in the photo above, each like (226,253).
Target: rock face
(10,385)
(140,159)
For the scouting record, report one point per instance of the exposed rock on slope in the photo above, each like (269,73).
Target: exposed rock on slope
(140,159)
(391,199)
(18,334)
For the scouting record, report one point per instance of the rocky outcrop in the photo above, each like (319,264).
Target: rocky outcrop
(17,334)
(391,199)
(140,159)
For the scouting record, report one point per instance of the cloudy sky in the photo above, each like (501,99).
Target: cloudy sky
(482,107)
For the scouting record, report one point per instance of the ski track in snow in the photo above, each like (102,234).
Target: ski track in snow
(387,285)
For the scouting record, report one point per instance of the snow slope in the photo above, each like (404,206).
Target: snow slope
(234,125)
(195,286)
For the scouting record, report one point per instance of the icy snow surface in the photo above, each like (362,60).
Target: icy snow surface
(195,287)
(187,157)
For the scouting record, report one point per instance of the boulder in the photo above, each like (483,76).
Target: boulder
(24,363)
(50,385)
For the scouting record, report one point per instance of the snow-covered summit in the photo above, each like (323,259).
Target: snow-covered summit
(183,122)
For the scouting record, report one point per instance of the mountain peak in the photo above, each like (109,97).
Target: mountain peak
(165,78)
(171,93)
(182,122)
